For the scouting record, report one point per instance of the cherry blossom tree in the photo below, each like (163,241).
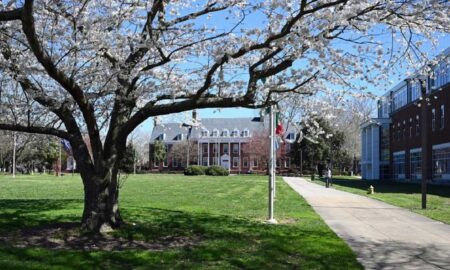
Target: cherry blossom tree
(102,68)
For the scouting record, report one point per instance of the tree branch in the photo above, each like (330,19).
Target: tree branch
(36,130)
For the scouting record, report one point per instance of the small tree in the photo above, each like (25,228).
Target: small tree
(159,151)
(127,162)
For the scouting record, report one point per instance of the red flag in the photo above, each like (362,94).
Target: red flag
(279,129)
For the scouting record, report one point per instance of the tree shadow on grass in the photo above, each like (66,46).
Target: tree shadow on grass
(221,241)
(392,187)
(17,214)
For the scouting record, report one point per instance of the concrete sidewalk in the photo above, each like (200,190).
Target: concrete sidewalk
(382,236)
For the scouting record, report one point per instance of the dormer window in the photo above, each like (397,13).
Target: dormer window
(246,133)
(179,137)
(291,136)
(161,137)
(215,133)
(225,133)
(235,133)
(205,133)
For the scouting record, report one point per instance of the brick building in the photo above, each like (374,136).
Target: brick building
(237,144)
(392,143)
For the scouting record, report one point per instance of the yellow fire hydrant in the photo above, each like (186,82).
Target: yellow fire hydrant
(371,190)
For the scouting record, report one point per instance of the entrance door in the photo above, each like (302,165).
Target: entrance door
(225,161)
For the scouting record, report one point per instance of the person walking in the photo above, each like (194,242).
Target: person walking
(329,181)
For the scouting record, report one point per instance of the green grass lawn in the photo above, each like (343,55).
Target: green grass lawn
(406,195)
(224,214)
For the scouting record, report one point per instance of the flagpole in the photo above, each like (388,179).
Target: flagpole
(274,164)
(271,219)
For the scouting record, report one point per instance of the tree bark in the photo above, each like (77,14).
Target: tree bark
(101,202)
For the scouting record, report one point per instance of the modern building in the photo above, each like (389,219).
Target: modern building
(392,142)
(237,144)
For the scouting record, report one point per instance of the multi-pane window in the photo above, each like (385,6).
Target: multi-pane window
(416,165)
(204,133)
(441,76)
(215,133)
(225,133)
(441,163)
(399,165)
(225,148)
(235,148)
(205,161)
(174,162)
(255,163)
(400,98)
(165,163)
(215,161)
(235,162)
(245,133)
(205,148)
(415,90)
(442,116)
(384,142)
(234,133)
(433,119)
(245,162)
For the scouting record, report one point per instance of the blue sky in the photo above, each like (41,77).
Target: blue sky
(241,112)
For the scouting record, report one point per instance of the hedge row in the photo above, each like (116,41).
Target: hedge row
(202,170)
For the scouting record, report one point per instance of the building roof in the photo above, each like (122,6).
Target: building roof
(169,131)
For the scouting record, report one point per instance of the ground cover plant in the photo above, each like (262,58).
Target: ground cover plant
(175,221)
(406,195)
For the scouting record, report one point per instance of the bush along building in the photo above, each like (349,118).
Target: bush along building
(393,143)
(240,145)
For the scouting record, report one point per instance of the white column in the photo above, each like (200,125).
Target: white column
(240,160)
(208,154)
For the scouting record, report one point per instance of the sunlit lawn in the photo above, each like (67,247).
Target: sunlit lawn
(406,195)
(224,214)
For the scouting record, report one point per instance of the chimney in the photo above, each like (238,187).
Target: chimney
(194,115)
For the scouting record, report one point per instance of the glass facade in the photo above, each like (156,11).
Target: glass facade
(384,142)
(415,90)
(399,166)
(416,165)
(441,163)
(400,98)
(441,76)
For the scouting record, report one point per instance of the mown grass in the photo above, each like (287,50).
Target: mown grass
(226,213)
(406,195)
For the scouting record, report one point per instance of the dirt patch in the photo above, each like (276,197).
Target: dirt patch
(65,236)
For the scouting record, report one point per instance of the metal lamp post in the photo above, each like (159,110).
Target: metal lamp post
(425,126)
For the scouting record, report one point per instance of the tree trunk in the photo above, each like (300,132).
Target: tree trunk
(101,202)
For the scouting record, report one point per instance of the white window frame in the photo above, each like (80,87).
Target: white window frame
(254,163)
(227,150)
(245,162)
(225,133)
(236,160)
(235,148)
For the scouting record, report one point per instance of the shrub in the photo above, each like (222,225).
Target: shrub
(216,171)
(195,170)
